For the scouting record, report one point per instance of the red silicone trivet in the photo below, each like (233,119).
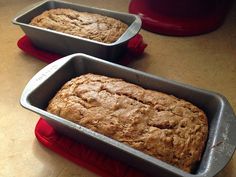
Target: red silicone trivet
(81,154)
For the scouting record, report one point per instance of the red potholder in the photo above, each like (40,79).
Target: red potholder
(136,47)
(81,154)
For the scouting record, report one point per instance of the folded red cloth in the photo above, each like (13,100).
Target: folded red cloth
(135,48)
(81,154)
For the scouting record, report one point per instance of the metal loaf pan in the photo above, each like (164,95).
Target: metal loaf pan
(221,141)
(65,44)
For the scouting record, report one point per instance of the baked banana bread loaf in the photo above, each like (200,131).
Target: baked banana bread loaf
(161,125)
(92,26)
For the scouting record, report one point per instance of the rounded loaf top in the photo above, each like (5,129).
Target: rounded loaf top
(161,125)
(83,24)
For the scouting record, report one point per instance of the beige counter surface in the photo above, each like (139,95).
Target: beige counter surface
(207,61)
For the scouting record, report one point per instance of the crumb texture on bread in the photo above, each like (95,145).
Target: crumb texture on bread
(161,125)
(87,25)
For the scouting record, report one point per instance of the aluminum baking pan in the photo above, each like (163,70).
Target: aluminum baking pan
(65,44)
(221,141)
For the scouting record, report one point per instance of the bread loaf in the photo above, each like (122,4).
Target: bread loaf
(87,25)
(161,125)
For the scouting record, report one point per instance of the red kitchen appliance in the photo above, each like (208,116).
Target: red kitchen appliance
(180,17)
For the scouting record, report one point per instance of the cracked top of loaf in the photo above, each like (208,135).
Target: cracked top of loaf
(161,125)
(87,25)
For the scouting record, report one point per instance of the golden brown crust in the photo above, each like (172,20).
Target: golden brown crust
(82,24)
(168,128)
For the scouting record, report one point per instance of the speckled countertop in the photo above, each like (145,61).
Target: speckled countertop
(206,61)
